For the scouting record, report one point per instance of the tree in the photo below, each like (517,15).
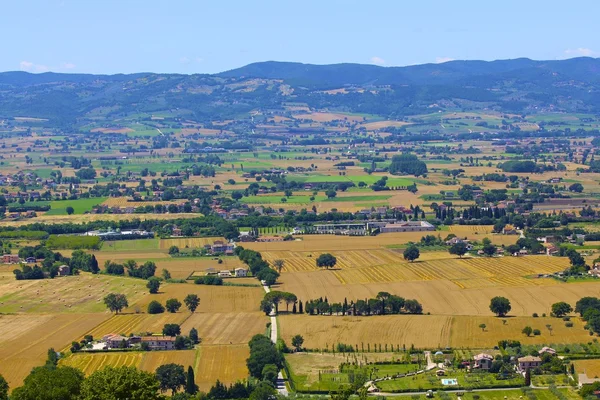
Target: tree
(3,388)
(500,306)
(116,302)
(576,187)
(561,309)
(459,249)
(482,326)
(528,376)
(489,249)
(326,260)
(190,385)
(153,285)
(171,330)
(57,383)
(173,305)
(218,391)
(94,268)
(411,253)
(297,342)
(180,343)
(170,377)
(278,264)
(330,194)
(70,210)
(120,383)
(154,307)
(194,336)
(166,274)
(173,250)
(263,391)
(266,306)
(527,331)
(192,302)
(269,373)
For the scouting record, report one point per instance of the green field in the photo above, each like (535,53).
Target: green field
(59,207)
(124,245)
(429,381)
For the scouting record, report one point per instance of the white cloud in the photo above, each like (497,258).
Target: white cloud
(25,65)
(67,65)
(440,60)
(32,67)
(580,52)
(184,60)
(377,60)
(199,60)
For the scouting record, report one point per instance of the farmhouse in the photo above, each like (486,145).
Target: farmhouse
(225,274)
(241,272)
(10,259)
(64,270)
(113,341)
(159,342)
(483,361)
(547,350)
(527,362)
(30,260)
(270,239)
(509,230)
(409,226)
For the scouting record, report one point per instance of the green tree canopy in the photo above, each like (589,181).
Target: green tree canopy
(120,383)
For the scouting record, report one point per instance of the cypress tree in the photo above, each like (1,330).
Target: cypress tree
(300,308)
(190,385)
(294,309)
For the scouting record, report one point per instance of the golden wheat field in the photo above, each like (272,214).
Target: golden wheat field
(82,218)
(225,363)
(79,293)
(188,242)
(213,299)
(589,367)
(27,338)
(136,323)
(425,331)
(226,328)
(91,362)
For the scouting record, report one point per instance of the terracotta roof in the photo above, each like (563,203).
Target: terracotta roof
(530,359)
(161,338)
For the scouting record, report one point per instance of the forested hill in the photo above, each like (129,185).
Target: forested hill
(583,69)
(520,86)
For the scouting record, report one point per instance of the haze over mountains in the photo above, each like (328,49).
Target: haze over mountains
(519,85)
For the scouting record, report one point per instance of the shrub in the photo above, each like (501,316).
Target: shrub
(535,315)
(569,324)
(155,308)
(537,332)
(209,280)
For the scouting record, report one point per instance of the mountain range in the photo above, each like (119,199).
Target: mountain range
(520,85)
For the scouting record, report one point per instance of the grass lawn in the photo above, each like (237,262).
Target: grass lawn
(429,381)
(514,394)
(59,207)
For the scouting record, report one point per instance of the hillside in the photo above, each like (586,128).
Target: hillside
(519,86)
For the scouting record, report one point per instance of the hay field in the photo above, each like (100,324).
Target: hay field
(226,363)
(66,294)
(589,367)
(424,331)
(151,360)
(125,202)
(27,338)
(213,299)
(478,232)
(137,323)
(90,362)
(324,331)
(370,126)
(81,218)
(328,117)
(226,328)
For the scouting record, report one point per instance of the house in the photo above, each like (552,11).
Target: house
(270,239)
(210,271)
(547,350)
(10,259)
(115,341)
(509,230)
(159,342)
(30,260)
(483,361)
(527,362)
(551,250)
(176,232)
(409,226)
(63,270)
(225,274)
(246,237)
(240,272)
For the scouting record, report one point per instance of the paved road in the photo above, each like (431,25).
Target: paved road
(280,383)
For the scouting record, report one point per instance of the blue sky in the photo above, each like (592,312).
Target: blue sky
(125,36)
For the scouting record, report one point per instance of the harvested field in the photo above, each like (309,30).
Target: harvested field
(325,331)
(90,362)
(137,323)
(478,232)
(151,360)
(66,294)
(213,299)
(33,335)
(589,367)
(328,117)
(226,363)
(81,218)
(125,202)
(425,331)
(226,328)
(371,126)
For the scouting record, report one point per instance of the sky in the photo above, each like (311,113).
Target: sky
(199,36)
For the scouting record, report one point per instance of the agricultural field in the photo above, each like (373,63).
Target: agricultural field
(226,328)
(70,294)
(131,323)
(226,363)
(26,339)
(80,206)
(81,218)
(184,243)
